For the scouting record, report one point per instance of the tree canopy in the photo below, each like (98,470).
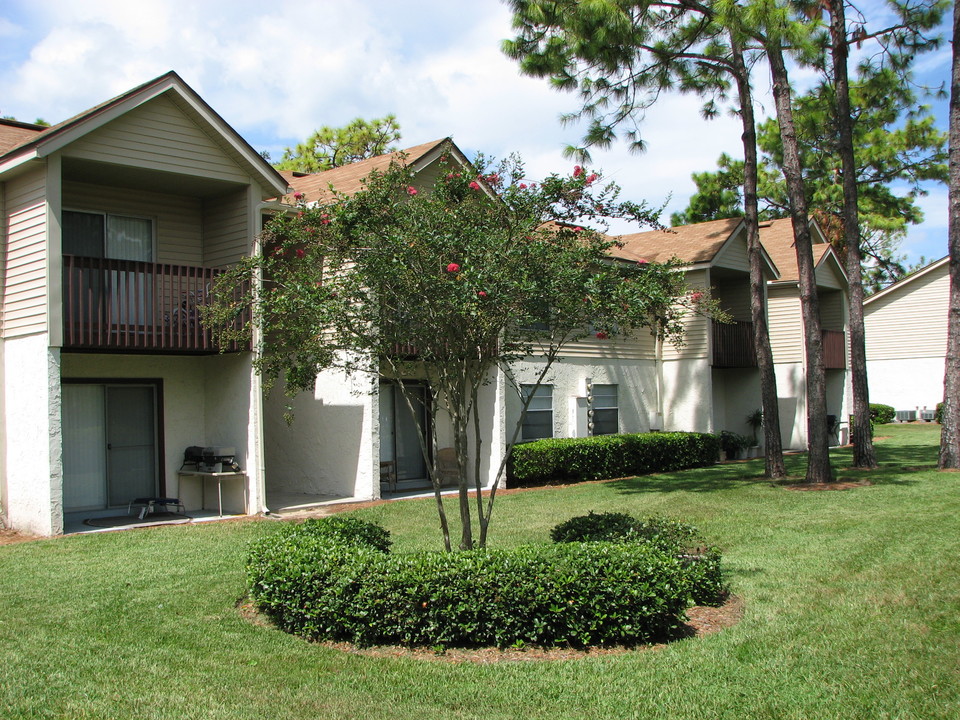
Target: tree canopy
(448,283)
(331,147)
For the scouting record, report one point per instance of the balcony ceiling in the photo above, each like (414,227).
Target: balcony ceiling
(138,178)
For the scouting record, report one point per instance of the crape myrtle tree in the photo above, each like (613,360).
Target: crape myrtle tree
(619,57)
(451,284)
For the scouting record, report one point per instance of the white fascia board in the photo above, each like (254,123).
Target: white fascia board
(17,161)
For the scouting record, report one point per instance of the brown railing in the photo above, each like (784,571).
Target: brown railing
(834,350)
(136,306)
(733,345)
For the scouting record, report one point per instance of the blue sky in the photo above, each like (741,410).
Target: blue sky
(278,71)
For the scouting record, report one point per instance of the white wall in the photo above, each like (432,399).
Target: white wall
(332,446)
(636,381)
(687,393)
(32,435)
(230,419)
(907,384)
(791,398)
(736,394)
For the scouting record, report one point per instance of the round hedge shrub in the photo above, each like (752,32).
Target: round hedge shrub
(882,414)
(574,594)
(700,561)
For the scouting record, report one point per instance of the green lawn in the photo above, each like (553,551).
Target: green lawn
(852,611)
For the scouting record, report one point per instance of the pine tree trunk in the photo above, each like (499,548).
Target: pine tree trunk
(950,431)
(818,454)
(863,452)
(773,445)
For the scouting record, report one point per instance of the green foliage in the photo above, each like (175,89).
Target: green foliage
(732,443)
(331,147)
(346,284)
(938,414)
(882,414)
(622,527)
(579,594)
(344,529)
(701,563)
(609,456)
(897,146)
(719,194)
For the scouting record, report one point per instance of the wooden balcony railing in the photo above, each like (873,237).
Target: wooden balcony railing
(834,350)
(126,305)
(733,345)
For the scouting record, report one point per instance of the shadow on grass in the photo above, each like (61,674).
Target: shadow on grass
(897,463)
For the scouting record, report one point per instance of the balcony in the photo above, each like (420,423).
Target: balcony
(834,350)
(733,345)
(129,306)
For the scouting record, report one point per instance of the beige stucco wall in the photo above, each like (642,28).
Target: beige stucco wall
(31,435)
(205,402)
(332,447)
(636,381)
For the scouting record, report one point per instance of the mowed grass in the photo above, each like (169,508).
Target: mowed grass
(852,610)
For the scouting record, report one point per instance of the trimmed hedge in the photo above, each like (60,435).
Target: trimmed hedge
(578,594)
(938,413)
(701,562)
(609,456)
(882,414)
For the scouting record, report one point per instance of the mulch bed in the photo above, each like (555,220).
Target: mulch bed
(701,621)
(9,537)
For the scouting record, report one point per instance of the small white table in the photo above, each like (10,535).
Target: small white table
(202,477)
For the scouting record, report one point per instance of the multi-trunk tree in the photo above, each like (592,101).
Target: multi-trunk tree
(619,57)
(450,284)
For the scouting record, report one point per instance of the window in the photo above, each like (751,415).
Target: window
(606,414)
(538,422)
(96,235)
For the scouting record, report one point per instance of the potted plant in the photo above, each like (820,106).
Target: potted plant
(755,421)
(733,444)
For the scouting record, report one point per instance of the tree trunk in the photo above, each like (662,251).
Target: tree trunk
(818,455)
(863,452)
(950,431)
(773,444)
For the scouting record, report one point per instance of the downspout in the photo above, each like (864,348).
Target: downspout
(256,346)
(658,366)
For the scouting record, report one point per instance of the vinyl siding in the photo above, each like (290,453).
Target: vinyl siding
(734,255)
(24,255)
(831,310)
(696,342)
(178,220)
(158,136)
(829,277)
(910,322)
(734,297)
(226,236)
(639,345)
(786,325)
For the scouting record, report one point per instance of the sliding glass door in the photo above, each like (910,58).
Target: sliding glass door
(109,445)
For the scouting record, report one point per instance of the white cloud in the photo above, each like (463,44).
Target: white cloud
(278,72)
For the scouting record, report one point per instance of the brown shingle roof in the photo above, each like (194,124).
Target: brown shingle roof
(690,243)
(14,133)
(349,178)
(776,237)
